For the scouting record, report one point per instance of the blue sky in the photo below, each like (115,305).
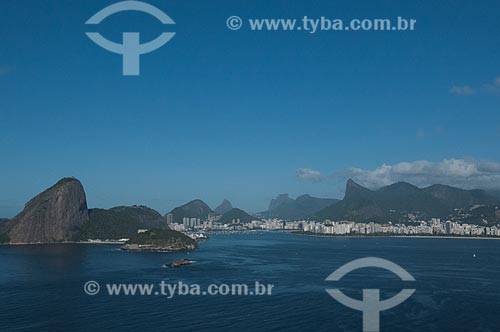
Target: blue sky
(234,114)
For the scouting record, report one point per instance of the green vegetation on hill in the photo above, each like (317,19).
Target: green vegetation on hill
(395,202)
(495,193)
(484,215)
(4,238)
(4,234)
(193,209)
(303,207)
(224,207)
(236,215)
(119,222)
(163,238)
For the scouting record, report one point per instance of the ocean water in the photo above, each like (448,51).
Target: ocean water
(457,285)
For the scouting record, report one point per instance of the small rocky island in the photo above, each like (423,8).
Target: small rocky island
(159,240)
(182,262)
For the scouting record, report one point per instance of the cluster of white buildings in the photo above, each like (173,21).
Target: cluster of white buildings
(433,227)
(191,222)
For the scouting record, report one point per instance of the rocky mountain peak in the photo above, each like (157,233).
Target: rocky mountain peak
(224,207)
(52,216)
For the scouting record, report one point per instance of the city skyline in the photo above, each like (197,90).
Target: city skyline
(431,227)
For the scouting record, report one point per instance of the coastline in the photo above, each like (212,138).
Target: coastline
(64,242)
(116,242)
(398,236)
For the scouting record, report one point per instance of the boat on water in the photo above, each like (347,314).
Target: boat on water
(180,263)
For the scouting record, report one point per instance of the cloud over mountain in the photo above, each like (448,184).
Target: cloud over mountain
(464,173)
(308,174)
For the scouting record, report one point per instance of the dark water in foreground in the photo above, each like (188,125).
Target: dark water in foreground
(41,287)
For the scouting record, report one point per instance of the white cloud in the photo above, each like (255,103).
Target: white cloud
(467,90)
(469,174)
(308,174)
(492,87)
(5,70)
(462,90)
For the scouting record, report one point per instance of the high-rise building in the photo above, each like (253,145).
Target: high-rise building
(448,227)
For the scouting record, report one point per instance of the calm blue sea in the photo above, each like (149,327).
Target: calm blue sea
(457,283)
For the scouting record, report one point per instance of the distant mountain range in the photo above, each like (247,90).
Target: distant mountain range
(400,201)
(199,209)
(224,207)
(60,213)
(495,193)
(193,209)
(305,206)
(235,216)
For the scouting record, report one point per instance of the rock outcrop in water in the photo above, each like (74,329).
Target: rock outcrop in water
(52,216)
(160,240)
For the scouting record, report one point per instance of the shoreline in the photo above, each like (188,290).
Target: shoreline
(399,236)
(65,242)
(116,242)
